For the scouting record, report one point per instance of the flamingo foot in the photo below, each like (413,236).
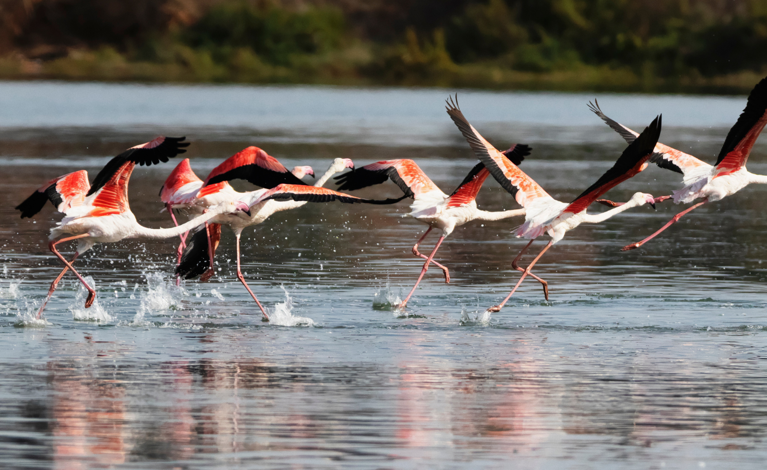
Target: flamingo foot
(546,291)
(633,246)
(662,198)
(495,308)
(206,275)
(447,276)
(400,306)
(90,299)
(610,203)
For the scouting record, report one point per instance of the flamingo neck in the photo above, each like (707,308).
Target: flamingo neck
(331,171)
(757,179)
(162,233)
(597,218)
(499,215)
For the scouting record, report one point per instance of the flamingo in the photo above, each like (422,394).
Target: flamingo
(100,213)
(701,180)
(257,167)
(544,214)
(430,205)
(180,191)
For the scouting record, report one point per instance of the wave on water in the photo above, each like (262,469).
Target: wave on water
(95,313)
(283,314)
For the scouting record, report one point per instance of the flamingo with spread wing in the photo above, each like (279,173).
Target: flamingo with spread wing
(544,214)
(100,213)
(430,205)
(701,180)
(257,167)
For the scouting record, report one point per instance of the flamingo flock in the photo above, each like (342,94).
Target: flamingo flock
(99,212)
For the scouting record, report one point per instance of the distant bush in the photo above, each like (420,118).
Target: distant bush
(274,34)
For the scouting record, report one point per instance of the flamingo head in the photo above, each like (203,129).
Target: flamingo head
(301,171)
(242,207)
(641,199)
(340,164)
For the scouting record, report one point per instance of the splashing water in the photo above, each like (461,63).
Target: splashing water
(27,317)
(475,318)
(386,299)
(283,314)
(161,296)
(95,312)
(11,292)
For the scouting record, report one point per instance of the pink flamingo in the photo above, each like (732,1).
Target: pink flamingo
(430,205)
(253,165)
(181,189)
(100,213)
(701,180)
(544,214)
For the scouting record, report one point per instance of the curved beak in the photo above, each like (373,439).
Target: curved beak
(241,206)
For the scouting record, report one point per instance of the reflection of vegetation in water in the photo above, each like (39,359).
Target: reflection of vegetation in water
(563,44)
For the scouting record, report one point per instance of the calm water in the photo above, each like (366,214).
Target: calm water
(648,359)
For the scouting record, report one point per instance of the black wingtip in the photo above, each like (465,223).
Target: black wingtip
(33,204)
(517,153)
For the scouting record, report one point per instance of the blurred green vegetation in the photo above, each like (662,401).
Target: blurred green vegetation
(621,45)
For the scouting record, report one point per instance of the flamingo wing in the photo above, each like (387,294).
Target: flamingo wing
(316,194)
(469,188)
(404,173)
(181,176)
(479,144)
(632,161)
(153,152)
(664,156)
(255,166)
(741,138)
(63,192)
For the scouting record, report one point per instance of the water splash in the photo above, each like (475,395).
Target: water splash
(11,292)
(283,314)
(475,318)
(95,312)
(386,299)
(161,296)
(27,317)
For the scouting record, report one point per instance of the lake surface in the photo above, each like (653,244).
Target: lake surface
(648,359)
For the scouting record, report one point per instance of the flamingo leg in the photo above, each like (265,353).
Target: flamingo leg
(209,273)
(498,307)
(91,292)
(610,203)
(421,255)
(181,246)
(674,220)
(54,284)
(423,271)
(515,265)
(242,280)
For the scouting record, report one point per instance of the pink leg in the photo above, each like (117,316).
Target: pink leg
(423,271)
(209,273)
(242,280)
(610,203)
(420,255)
(515,265)
(670,223)
(54,284)
(91,292)
(498,307)
(181,246)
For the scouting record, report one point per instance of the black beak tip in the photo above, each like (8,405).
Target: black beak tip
(247,212)
(312,176)
(653,205)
